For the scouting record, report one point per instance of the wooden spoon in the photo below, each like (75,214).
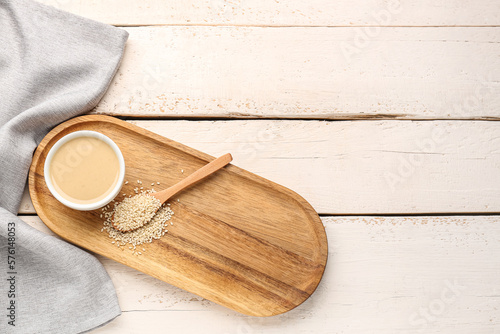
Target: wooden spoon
(164,195)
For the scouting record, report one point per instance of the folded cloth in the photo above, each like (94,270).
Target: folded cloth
(53,66)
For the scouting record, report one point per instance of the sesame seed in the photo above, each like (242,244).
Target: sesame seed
(182,170)
(157,182)
(150,231)
(134,212)
(126,182)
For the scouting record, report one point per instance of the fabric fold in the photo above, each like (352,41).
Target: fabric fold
(53,66)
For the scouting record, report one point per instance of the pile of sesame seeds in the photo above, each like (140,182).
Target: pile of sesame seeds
(134,212)
(154,229)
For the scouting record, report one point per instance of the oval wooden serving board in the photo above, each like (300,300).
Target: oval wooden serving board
(238,239)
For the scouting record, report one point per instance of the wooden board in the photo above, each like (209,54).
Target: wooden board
(238,239)
(287,13)
(359,167)
(323,73)
(382,272)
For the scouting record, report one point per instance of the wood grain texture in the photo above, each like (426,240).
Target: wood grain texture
(360,167)
(382,273)
(325,73)
(287,13)
(238,239)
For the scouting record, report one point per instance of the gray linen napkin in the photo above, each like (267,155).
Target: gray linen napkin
(53,66)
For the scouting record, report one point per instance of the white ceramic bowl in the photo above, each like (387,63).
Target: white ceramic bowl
(87,206)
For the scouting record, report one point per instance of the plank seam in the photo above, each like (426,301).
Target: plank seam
(340,119)
(299,26)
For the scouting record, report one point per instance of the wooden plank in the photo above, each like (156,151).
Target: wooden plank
(322,73)
(360,167)
(286,13)
(395,274)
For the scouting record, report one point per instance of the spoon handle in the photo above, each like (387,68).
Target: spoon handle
(201,173)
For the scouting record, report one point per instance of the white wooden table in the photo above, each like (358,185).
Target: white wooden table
(382,114)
